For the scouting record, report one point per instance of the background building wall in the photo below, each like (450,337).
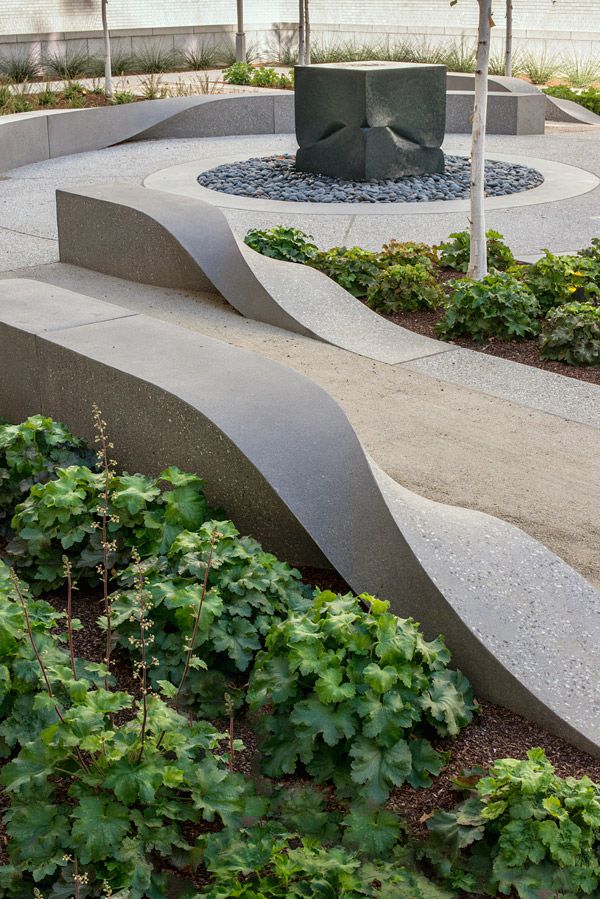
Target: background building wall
(556,25)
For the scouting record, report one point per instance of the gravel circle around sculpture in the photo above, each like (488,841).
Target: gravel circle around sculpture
(275,178)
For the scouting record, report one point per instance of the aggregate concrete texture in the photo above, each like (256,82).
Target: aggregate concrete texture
(278,451)
(445,441)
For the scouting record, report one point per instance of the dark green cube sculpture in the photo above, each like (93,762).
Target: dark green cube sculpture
(370,121)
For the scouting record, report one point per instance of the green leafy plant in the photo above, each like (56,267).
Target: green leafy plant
(571,333)
(454,253)
(128,789)
(121,97)
(408,253)
(239,73)
(499,306)
(356,694)
(30,453)
(47,97)
(405,288)
(287,244)
(262,864)
(62,517)
(225,591)
(265,77)
(19,104)
(523,829)
(556,280)
(353,268)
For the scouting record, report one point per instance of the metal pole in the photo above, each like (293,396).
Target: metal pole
(240,37)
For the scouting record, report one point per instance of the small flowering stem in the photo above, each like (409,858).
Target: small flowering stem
(40,661)
(105,464)
(143,667)
(229,709)
(190,653)
(69,577)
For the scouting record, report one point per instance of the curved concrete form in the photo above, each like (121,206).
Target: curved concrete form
(561,182)
(558,110)
(281,456)
(172,241)
(33,137)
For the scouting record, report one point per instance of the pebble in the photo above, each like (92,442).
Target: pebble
(276,178)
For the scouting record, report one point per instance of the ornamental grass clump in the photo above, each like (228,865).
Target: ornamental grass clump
(30,453)
(556,280)
(497,307)
(405,288)
(571,333)
(356,695)
(226,592)
(523,829)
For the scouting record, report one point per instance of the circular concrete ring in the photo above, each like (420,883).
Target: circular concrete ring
(561,182)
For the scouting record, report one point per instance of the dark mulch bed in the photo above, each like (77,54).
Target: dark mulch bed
(495,733)
(525,351)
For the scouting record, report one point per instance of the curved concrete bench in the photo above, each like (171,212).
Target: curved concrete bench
(558,110)
(158,238)
(33,137)
(281,456)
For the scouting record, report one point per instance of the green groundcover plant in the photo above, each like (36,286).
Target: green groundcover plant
(354,269)
(356,694)
(589,98)
(556,280)
(286,244)
(522,829)
(499,306)
(571,333)
(30,453)
(405,288)
(63,516)
(242,592)
(454,253)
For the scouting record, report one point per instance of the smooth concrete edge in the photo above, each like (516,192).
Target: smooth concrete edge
(561,182)
(159,238)
(559,110)
(240,419)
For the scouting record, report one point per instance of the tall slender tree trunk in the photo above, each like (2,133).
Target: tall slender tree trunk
(478,257)
(240,36)
(508,47)
(107,60)
(307,32)
(301,35)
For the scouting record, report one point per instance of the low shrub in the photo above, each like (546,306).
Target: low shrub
(405,288)
(556,280)
(571,333)
(287,244)
(454,253)
(356,694)
(120,97)
(20,68)
(408,253)
(264,77)
(523,829)
(30,453)
(239,73)
(241,592)
(354,269)
(64,517)
(499,306)
(69,64)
